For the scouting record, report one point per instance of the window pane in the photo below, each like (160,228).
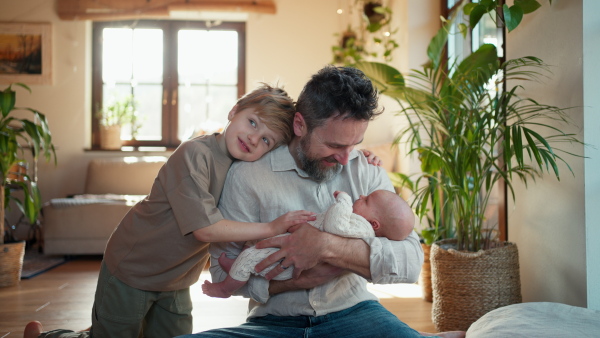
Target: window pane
(487,32)
(208,56)
(148,55)
(133,64)
(207,70)
(149,104)
(117,58)
(204,109)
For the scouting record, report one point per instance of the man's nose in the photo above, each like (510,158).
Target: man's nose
(342,156)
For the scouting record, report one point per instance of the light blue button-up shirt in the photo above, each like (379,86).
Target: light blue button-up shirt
(266,189)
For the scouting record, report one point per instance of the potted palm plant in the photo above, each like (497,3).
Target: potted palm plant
(470,133)
(16,134)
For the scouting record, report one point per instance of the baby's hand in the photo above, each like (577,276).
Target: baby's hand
(281,224)
(372,158)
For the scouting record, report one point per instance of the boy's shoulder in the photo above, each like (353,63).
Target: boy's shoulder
(199,147)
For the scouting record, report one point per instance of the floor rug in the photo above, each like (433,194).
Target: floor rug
(35,263)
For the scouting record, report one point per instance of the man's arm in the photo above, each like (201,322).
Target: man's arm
(377,259)
(307,246)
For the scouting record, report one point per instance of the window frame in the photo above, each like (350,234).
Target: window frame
(170,104)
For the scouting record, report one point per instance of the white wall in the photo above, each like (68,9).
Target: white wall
(548,219)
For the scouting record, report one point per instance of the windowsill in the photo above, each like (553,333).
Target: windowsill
(129,149)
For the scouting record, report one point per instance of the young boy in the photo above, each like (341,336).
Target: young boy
(382,214)
(160,247)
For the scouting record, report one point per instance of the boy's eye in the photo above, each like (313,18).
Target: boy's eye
(253,123)
(266,140)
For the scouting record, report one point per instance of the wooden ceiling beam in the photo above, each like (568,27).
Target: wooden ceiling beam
(139,9)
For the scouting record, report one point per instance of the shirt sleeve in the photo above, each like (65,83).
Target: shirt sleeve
(238,202)
(187,181)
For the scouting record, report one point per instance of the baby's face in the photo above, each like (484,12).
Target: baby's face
(366,206)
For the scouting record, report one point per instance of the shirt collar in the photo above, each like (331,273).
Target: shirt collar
(222,145)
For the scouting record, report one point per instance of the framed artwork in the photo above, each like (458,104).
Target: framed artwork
(25,53)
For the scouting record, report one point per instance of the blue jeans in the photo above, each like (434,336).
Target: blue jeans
(365,319)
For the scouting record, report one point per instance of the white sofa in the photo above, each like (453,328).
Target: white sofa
(82,224)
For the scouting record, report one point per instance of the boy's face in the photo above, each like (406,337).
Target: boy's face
(247,137)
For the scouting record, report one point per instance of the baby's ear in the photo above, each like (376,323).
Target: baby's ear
(375,224)
(232,112)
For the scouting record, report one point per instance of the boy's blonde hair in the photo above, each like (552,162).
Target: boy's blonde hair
(274,107)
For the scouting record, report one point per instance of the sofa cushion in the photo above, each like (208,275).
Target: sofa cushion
(123,176)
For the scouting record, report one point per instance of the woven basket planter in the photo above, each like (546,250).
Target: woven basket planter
(11,263)
(425,276)
(467,285)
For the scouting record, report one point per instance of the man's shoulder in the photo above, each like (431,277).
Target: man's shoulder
(266,162)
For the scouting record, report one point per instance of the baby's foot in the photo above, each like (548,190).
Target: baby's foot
(225,262)
(32,330)
(214,290)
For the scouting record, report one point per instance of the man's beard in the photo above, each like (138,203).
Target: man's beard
(313,167)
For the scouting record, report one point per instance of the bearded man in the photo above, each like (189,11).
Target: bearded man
(327,296)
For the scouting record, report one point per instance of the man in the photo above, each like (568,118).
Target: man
(328,296)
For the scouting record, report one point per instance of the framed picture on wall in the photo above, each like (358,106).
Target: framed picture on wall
(25,53)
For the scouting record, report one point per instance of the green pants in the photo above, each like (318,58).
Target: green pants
(122,311)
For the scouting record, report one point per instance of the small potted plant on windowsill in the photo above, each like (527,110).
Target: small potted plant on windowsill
(16,134)
(113,117)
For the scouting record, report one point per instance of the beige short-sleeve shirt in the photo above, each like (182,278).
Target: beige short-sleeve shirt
(153,247)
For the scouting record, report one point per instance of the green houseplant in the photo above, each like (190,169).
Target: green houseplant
(113,117)
(16,134)
(470,133)
(371,39)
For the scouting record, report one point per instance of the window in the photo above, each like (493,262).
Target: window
(184,77)
(486,31)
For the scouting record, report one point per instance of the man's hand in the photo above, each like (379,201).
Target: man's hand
(303,249)
(318,275)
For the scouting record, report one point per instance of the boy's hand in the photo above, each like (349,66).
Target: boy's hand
(372,158)
(281,224)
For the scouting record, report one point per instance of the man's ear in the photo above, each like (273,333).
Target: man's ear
(232,112)
(299,125)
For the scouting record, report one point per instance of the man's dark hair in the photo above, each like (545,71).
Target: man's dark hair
(337,91)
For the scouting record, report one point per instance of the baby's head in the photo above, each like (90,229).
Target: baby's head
(389,214)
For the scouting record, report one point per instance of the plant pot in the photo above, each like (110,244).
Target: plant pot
(425,276)
(110,137)
(11,263)
(467,285)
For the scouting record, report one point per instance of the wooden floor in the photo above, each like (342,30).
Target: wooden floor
(63,297)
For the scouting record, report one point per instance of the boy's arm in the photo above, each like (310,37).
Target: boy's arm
(232,231)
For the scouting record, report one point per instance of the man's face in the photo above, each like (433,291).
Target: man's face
(321,152)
